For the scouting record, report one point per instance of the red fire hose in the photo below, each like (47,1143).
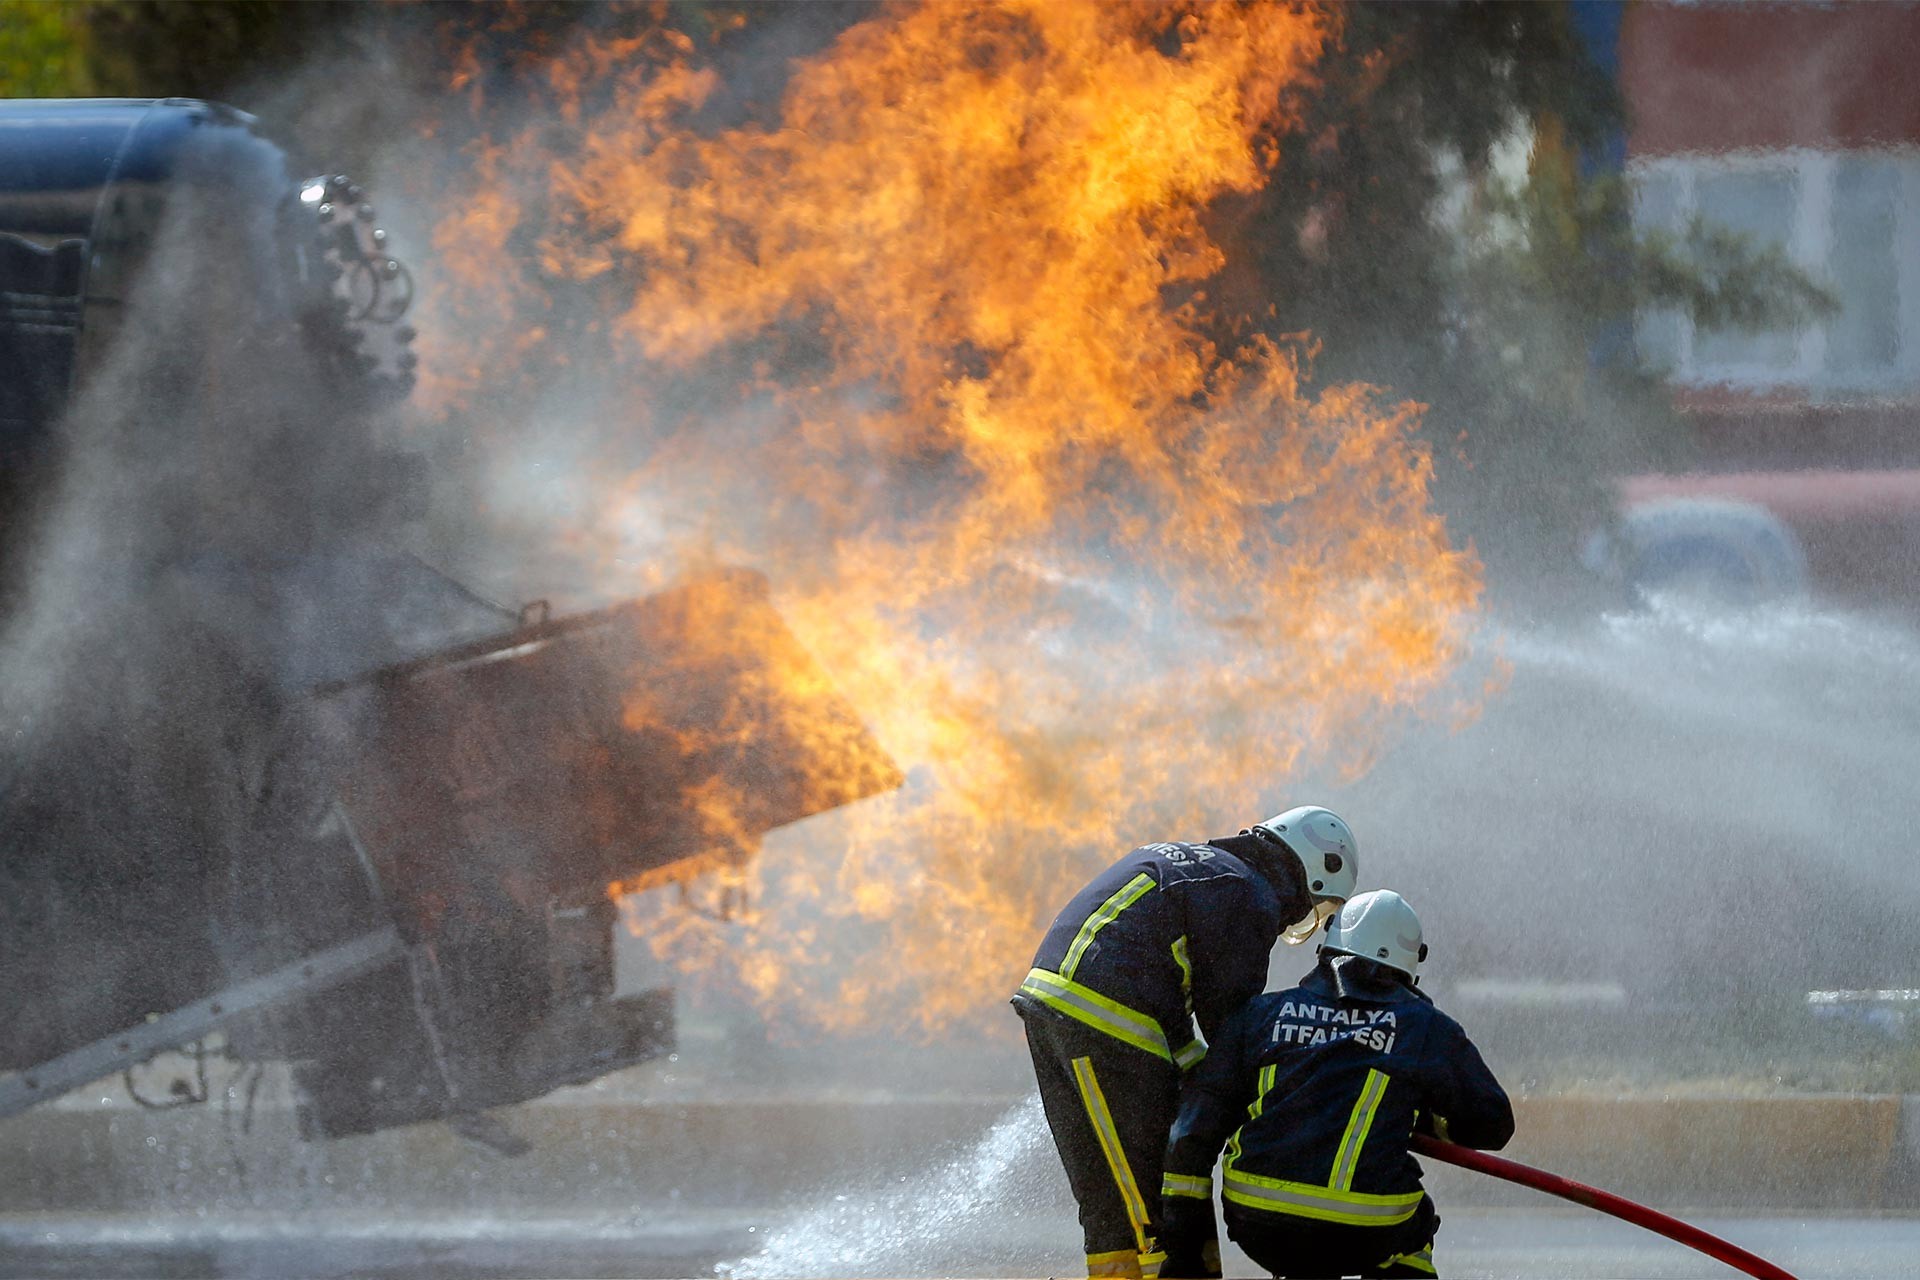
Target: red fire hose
(1605,1201)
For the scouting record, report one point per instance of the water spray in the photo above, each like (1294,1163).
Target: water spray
(1604,1201)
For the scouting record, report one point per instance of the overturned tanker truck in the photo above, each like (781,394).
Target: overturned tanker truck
(268,783)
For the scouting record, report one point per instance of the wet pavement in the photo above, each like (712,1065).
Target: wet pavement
(1490,1243)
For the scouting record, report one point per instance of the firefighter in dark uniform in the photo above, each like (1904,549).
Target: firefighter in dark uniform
(1169,934)
(1315,1091)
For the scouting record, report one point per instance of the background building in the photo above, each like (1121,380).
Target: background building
(1798,125)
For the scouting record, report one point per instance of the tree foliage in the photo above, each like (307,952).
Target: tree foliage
(44,51)
(204,49)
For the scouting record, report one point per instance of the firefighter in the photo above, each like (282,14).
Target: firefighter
(1315,1091)
(1170,934)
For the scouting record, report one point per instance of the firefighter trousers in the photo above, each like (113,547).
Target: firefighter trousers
(1288,1246)
(1110,1107)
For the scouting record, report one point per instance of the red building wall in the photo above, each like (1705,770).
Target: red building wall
(1715,77)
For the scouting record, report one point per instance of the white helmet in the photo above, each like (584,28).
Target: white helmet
(1328,853)
(1381,927)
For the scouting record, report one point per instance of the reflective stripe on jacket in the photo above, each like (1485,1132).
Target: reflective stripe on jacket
(1169,934)
(1315,1091)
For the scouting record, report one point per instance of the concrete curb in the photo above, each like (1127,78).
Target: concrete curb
(1816,1152)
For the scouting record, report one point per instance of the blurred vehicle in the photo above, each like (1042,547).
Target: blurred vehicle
(266,777)
(1746,537)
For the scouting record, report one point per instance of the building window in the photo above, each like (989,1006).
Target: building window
(1863,341)
(1660,334)
(1846,218)
(1763,205)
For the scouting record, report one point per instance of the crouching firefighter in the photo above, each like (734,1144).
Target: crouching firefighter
(1169,934)
(1315,1091)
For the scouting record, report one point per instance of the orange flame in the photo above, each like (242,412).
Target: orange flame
(1093,580)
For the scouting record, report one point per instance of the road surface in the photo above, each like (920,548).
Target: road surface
(1490,1243)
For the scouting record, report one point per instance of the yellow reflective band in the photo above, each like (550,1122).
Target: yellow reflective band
(1196,1048)
(1150,1263)
(1304,1200)
(1127,895)
(1084,1004)
(1347,1158)
(1260,1095)
(1336,1202)
(1421,1261)
(1254,1108)
(1185,1184)
(1440,1128)
(1117,1264)
(1104,1129)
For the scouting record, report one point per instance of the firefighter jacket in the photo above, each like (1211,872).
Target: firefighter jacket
(1170,933)
(1315,1091)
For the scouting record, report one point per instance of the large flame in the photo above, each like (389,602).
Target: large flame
(929,351)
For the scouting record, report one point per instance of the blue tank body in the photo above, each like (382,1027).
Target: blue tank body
(90,188)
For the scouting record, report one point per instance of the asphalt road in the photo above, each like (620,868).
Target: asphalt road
(1474,1243)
